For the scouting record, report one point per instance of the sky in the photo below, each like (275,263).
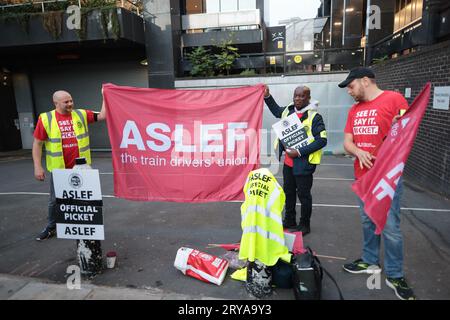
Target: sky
(285,9)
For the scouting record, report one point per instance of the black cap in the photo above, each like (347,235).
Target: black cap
(357,73)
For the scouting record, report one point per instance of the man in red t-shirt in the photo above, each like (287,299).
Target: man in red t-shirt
(63,112)
(368,123)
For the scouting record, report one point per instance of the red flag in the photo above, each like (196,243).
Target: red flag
(183,145)
(377,187)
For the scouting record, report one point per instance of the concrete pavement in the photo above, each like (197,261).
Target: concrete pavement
(26,288)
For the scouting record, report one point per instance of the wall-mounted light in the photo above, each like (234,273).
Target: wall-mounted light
(338,23)
(349,9)
(144,62)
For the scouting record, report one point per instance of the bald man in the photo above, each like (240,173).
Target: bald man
(300,164)
(64,132)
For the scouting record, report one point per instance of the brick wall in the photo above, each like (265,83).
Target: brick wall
(429,162)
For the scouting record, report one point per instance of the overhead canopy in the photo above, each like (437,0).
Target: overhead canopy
(319,24)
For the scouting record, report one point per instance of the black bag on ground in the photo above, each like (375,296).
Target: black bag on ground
(307,276)
(282,273)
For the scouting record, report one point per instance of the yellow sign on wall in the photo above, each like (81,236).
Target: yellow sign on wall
(298,59)
(280,44)
(273,60)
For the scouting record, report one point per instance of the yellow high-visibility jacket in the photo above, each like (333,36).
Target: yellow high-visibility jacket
(53,145)
(261,219)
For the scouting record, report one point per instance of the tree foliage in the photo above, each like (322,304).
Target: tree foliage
(226,58)
(202,62)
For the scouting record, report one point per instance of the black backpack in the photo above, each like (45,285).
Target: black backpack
(307,276)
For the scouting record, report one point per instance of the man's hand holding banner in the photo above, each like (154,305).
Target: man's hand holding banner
(183,145)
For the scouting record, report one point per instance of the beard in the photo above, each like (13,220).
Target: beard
(359,96)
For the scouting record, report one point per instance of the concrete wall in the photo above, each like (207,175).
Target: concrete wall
(334,102)
(84,83)
(429,161)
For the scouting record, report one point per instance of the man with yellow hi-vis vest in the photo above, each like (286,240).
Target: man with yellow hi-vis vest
(64,132)
(300,165)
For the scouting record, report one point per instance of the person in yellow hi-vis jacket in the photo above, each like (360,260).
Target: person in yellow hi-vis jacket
(262,241)
(300,164)
(65,134)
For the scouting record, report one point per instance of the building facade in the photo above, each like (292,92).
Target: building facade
(42,50)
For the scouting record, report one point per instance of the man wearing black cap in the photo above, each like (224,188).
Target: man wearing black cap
(368,123)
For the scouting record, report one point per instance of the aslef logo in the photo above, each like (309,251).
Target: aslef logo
(74,278)
(75,180)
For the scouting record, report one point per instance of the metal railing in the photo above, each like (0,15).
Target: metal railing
(43,3)
(298,62)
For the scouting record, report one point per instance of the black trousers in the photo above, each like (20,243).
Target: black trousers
(300,186)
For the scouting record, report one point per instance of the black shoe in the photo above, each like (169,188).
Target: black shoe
(303,228)
(401,288)
(359,266)
(289,223)
(46,234)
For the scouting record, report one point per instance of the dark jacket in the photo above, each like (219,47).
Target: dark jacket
(301,164)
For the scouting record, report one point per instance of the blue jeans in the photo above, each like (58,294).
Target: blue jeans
(392,237)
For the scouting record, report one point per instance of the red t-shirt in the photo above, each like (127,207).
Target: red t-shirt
(288,160)
(369,122)
(69,140)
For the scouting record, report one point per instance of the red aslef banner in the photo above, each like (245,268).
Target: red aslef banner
(377,187)
(183,145)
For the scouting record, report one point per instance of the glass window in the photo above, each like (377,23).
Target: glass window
(407,11)
(212,6)
(247,4)
(419,8)
(413,10)
(228,5)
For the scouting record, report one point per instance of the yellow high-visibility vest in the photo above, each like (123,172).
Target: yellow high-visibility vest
(315,157)
(261,219)
(53,145)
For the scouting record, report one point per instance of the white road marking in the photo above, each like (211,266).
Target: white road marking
(278,177)
(298,204)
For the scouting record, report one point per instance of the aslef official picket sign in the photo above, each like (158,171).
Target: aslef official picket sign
(79,204)
(79,213)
